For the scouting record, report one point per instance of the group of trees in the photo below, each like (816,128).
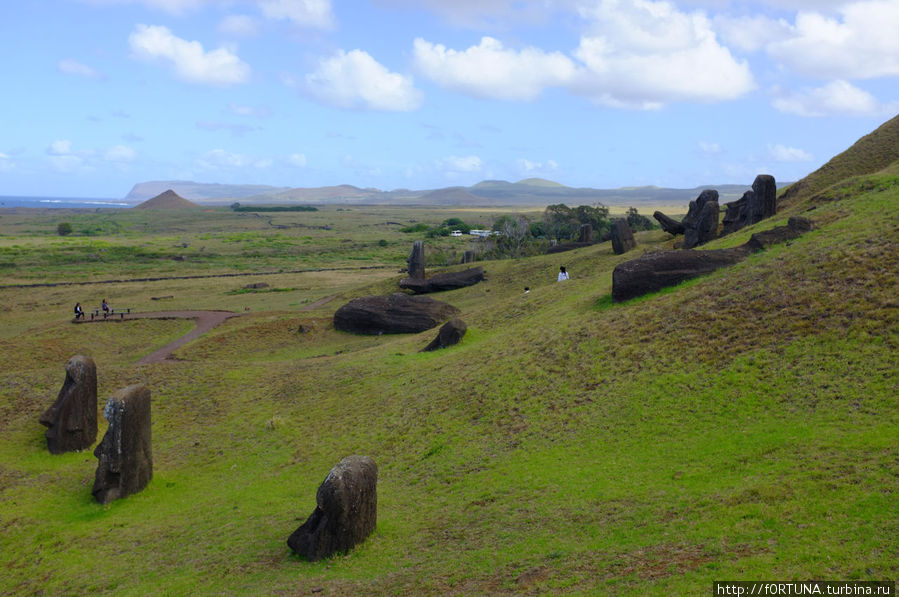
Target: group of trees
(517,236)
(443,229)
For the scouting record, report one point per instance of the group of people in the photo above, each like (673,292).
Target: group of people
(79,312)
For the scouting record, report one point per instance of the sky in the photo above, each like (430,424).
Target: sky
(101,94)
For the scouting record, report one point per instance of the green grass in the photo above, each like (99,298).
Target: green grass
(742,425)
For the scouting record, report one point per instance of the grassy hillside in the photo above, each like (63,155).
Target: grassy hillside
(740,426)
(873,152)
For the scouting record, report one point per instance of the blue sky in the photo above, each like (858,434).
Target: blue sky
(101,94)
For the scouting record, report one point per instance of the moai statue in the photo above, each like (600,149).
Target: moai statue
(586,235)
(347,511)
(125,456)
(622,237)
(416,261)
(72,420)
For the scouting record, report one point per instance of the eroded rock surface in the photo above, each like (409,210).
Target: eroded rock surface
(125,454)
(622,237)
(346,511)
(450,333)
(397,313)
(71,421)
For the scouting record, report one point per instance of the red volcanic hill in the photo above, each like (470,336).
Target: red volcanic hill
(167,200)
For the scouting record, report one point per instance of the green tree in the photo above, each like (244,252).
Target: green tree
(63,229)
(637,221)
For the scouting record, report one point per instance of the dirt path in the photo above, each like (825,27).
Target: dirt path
(206,320)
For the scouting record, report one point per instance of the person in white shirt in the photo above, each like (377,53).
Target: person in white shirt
(563,275)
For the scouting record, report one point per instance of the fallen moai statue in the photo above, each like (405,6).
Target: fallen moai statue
(442,282)
(397,313)
(655,271)
(450,333)
(125,454)
(71,420)
(346,511)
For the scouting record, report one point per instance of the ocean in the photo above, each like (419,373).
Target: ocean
(62,202)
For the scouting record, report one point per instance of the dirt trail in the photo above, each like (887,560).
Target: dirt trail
(206,320)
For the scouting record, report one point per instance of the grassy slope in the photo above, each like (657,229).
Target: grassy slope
(872,153)
(740,426)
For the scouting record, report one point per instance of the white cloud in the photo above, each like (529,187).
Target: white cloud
(356,80)
(489,70)
(863,44)
(239,26)
(644,54)
(782,153)
(471,163)
(297,159)
(254,111)
(60,147)
(526,166)
(709,148)
(188,58)
(306,13)
(120,154)
(68,66)
(751,34)
(835,98)
(219,158)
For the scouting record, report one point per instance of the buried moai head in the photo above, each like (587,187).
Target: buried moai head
(72,419)
(346,511)
(125,456)
(416,261)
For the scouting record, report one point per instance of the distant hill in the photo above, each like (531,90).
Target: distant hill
(166,200)
(872,153)
(530,192)
(197,191)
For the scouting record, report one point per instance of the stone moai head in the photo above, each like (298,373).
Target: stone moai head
(72,419)
(125,455)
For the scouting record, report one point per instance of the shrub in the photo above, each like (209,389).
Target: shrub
(63,229)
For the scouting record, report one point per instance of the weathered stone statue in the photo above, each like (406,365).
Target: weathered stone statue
(125,455)
(754,206)
(622,237)
(701,222)
(416,261)
(72,420)
(450,333)
(346,511)
(586,234)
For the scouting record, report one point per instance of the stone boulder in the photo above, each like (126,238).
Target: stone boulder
(71,421)
(468,257)
(669,225)
(398,313)
(416,261)
(346,511)
(450,333)
(655,271)
(125,454)
(754,206)
(701,222)
(442,282)
(622,237)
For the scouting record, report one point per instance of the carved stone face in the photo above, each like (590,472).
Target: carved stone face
(125,460)
(71,420)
